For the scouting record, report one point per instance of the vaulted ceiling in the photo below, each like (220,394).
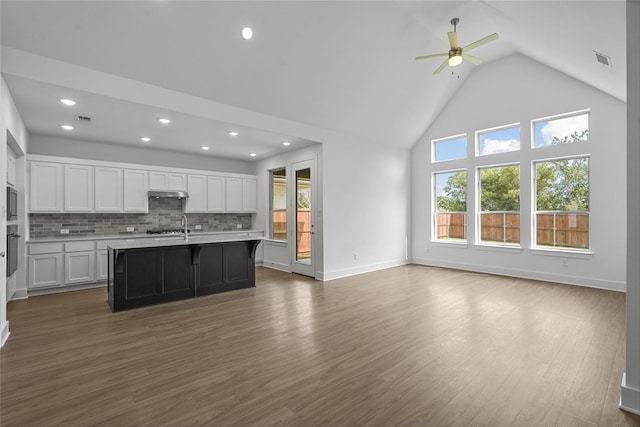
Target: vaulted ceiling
(312,69)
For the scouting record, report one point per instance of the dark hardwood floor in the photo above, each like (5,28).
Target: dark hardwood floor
(406,346)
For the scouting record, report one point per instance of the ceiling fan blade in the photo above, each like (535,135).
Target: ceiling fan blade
(441,67)
(435,55)
(453,39)
(473,59)
(480,42)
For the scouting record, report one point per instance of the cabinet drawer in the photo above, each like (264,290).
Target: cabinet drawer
(44,248)
(78,246)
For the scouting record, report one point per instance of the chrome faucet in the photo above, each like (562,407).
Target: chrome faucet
(186,231)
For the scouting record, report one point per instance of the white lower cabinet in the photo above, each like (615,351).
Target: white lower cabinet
(45,270)
(102,266)
(80,267)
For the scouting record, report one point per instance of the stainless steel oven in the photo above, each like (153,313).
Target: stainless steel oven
(12,249)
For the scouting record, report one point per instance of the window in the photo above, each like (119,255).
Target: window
(278,204)
(562,203)
(500,205)
(498,140)
(450,189)
(449,148)
(566,129)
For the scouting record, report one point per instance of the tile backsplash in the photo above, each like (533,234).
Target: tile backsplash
(163,213)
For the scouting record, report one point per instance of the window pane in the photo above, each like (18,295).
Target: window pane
(499,141)
(562,203)
(564,130)
(279,204)
(450,205)
(500,205)
(450,149)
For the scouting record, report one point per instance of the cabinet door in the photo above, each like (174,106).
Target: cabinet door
(79,267)
(11,167)
(108,189)
(78,188)
(177,181)
(234,194)
(136,188)
(45,187)
(102,265)
(158,181)
(249,196)
(45,270)
(216,193)
(197,189)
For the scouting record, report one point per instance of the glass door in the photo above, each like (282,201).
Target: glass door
(303,204)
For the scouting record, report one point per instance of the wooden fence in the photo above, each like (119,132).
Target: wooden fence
(555,229)
(303,231)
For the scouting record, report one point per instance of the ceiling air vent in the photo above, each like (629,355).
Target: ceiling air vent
(603,59)
(83,119)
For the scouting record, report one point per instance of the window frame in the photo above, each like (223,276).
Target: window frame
(534,207)
(586,112)
(434,207)
(493,129)
(445,139)
(271,208)
(479,211)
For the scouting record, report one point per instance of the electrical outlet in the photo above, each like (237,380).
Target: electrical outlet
(64,231)
(130,229)
(239,225)
(198,227)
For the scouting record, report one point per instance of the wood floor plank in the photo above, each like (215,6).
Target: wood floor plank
(406,346)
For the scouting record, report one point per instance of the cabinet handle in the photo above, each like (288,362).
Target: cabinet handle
(2,254)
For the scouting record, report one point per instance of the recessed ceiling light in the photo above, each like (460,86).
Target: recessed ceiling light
(205,147)
(233,133)
(247,33)
(286,143)
(68,102)
(145,139)
(66,127)
(164,121)
(252,154)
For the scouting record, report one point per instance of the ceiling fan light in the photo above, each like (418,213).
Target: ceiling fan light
(455,60)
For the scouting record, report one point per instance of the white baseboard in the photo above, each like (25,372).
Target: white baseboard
(4,333)
(277,266)
(337,274)
(629,397)
(19,294)
(589,282)
(70,288)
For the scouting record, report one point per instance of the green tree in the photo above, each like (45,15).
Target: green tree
(500,189)
(454,197)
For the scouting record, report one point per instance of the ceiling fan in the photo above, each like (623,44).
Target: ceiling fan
(456,54)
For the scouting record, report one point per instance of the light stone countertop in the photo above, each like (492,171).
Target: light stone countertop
(155,242)
(131,236)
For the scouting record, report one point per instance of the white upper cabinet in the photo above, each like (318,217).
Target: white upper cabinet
(216,189)
(45,187)
(197,189)
(249,195)
(108,189)
(234,195)
(136,188)
(167,181)
(78,188)
(11,167)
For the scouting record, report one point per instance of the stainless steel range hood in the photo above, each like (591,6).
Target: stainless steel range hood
(170,194)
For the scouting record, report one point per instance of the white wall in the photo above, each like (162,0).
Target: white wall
(46,145)
(366,200)
(10,121)
(630,390)
(276,254)
(518,89)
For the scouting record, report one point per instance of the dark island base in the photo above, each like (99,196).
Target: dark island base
(145,276)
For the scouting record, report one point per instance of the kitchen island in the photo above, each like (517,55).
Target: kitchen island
(162,269)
